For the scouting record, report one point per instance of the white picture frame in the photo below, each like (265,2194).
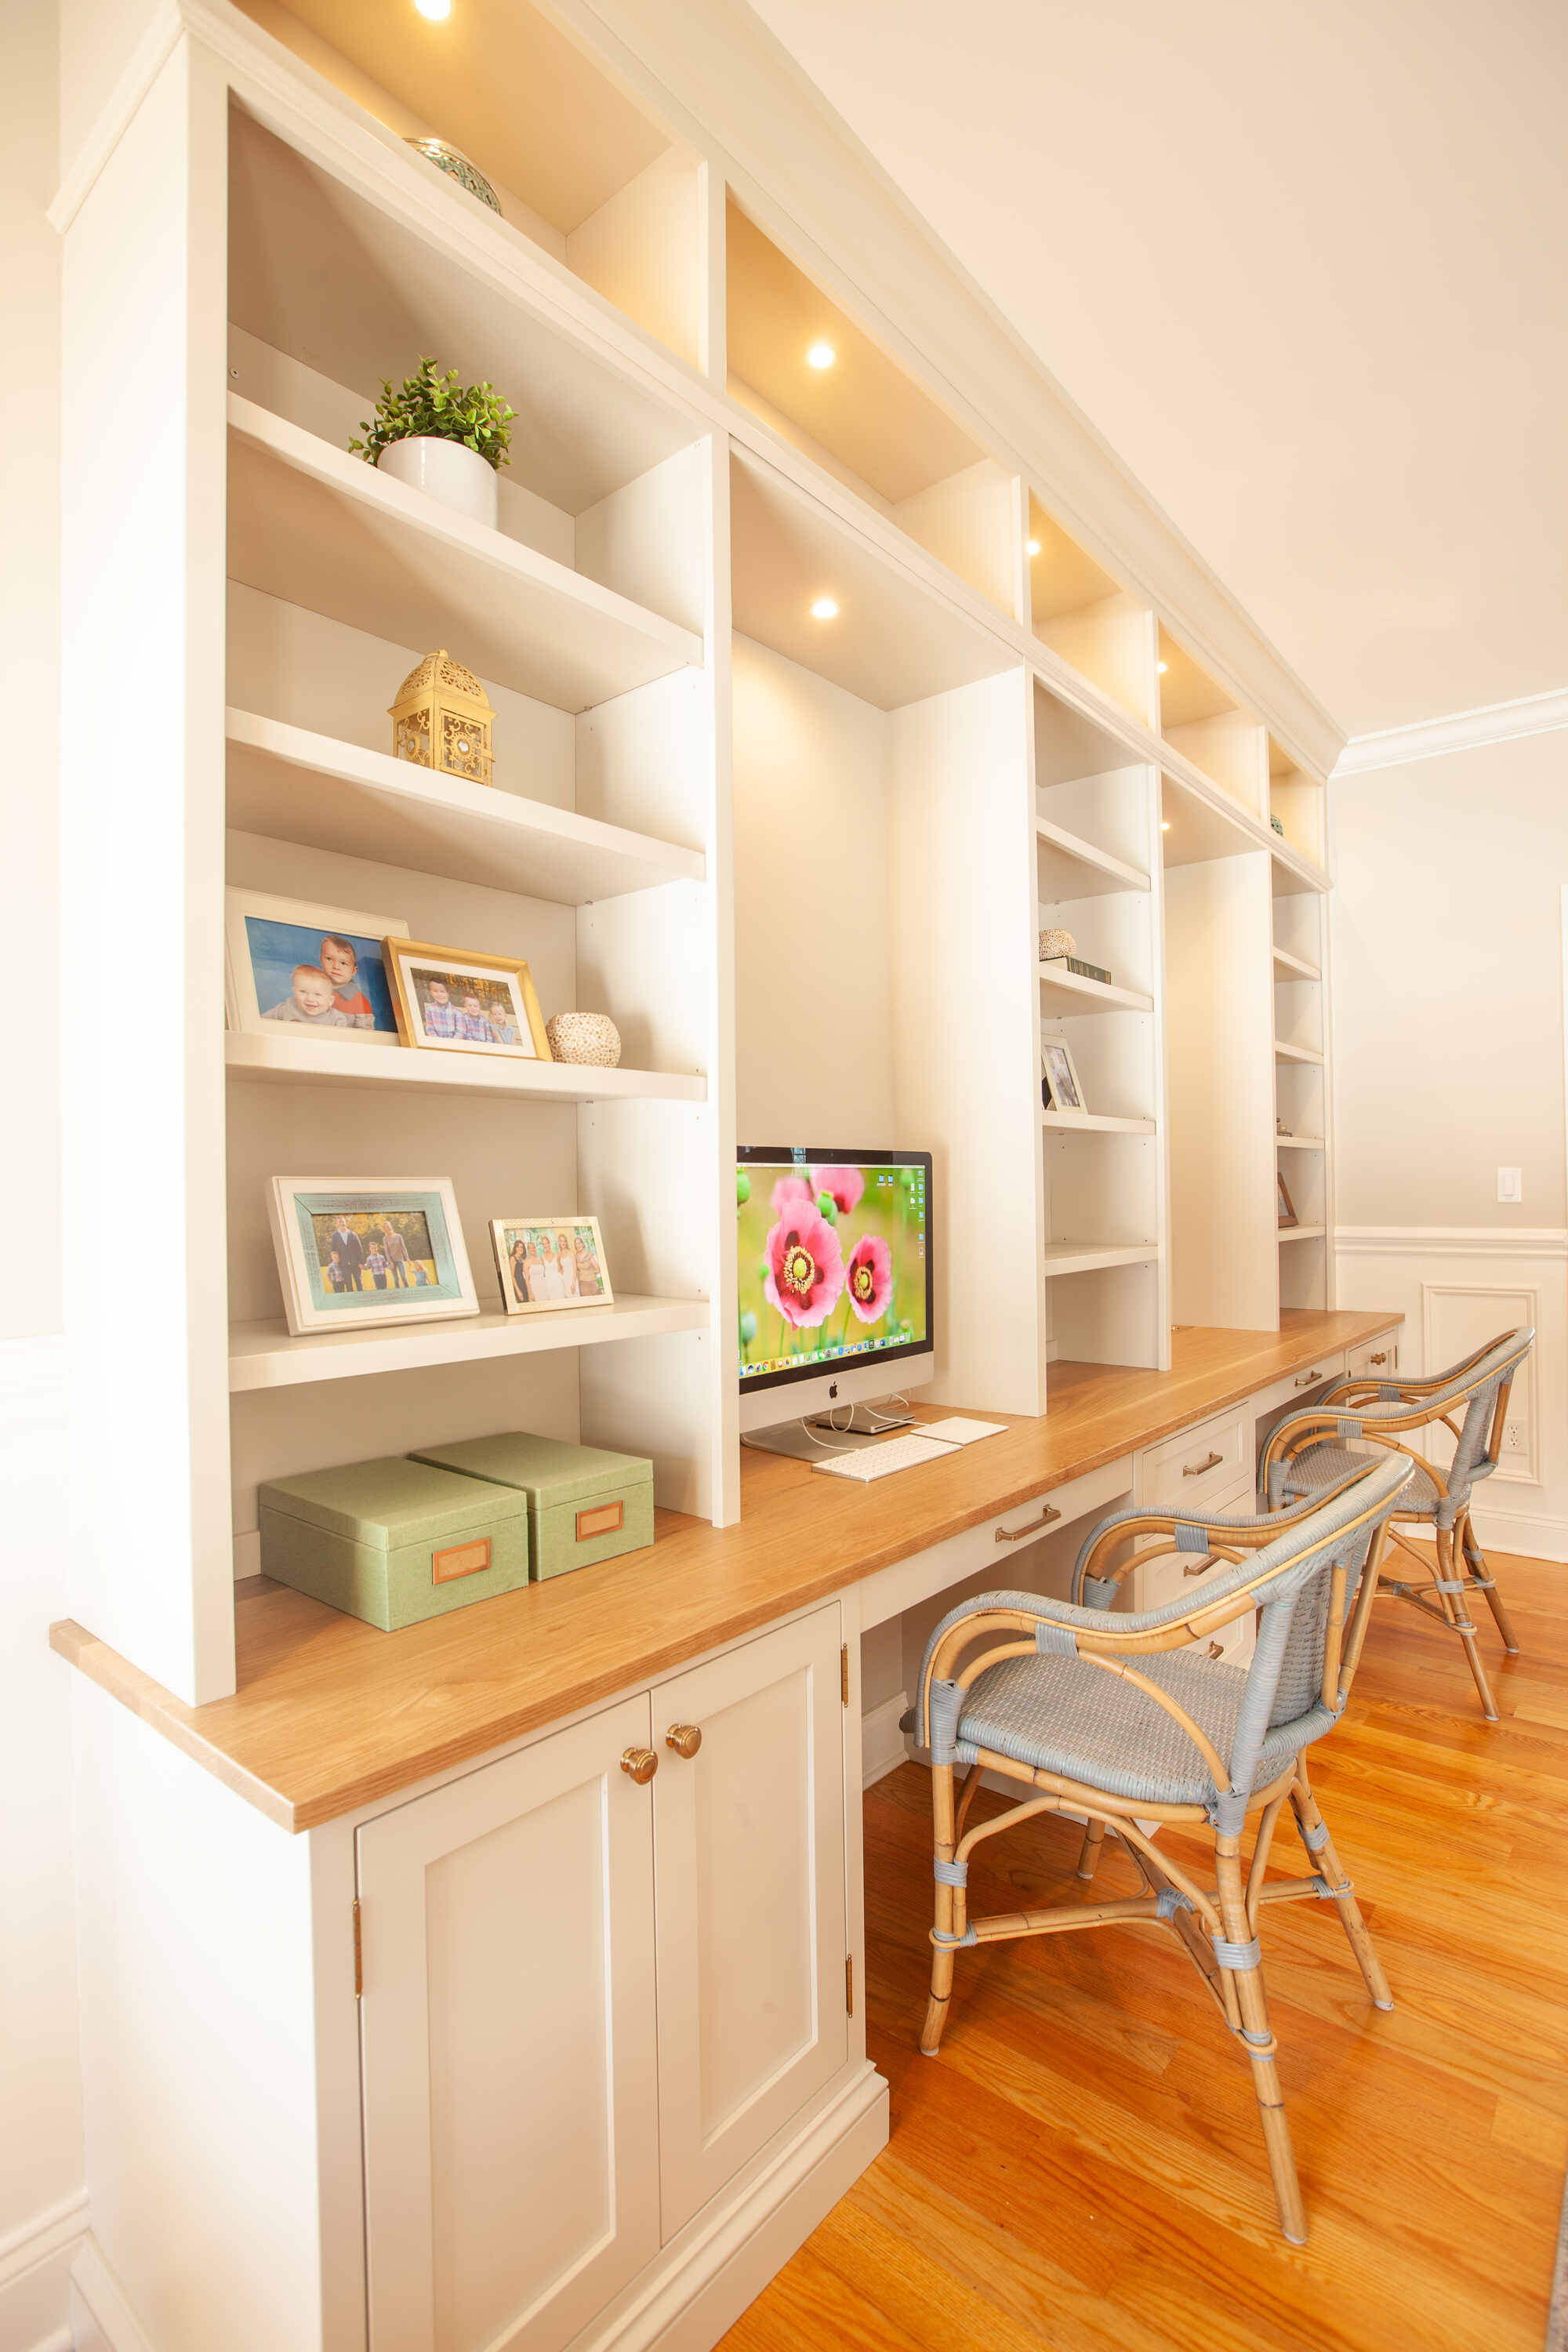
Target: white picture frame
(507,1234)
(260,960)
(332,1285)
(1059,1077)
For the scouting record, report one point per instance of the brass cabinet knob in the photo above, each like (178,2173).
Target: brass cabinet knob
(640,1763)
(686,1738)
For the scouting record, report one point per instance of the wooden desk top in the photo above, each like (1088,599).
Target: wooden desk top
(331,1715)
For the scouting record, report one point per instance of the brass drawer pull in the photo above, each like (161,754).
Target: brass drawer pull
(1196,1469)
(1379,1359)
(640,1764)
(1016,1535)
(686,1738)
(1216,1649)
(1199,1566)
(1308,1378)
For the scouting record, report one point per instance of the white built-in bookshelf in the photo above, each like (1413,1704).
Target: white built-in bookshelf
(803,863)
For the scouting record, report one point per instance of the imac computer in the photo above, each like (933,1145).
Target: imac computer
(835,1265)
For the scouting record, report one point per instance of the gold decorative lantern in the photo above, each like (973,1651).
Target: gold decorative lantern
(442,719)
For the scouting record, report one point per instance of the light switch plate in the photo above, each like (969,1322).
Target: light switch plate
(1511,1183)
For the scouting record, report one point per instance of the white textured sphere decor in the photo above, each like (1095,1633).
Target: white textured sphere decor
(1057,943)
(589,1037)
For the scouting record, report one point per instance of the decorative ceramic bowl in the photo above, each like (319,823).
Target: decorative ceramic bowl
(1057,943)
(589,1037)
(458,167)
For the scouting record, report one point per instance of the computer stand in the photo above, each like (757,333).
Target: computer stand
(801,1441)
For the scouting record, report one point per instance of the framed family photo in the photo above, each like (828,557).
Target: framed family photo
(547,1262)
(318,970)
(368,1252)
(1060,1088)
(457,1001)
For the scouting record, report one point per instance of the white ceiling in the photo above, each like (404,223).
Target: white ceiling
(1307,270)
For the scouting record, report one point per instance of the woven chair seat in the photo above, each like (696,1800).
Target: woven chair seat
(1063,1715)
(1324,1465)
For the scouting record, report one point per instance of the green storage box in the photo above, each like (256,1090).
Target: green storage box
(393,1541)
(583,1504)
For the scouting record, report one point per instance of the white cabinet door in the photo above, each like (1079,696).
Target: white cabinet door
(749,1840)
(510,2124)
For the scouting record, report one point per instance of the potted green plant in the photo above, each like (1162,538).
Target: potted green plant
(440,438)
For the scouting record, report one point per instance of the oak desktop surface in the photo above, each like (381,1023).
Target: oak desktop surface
(331,1715)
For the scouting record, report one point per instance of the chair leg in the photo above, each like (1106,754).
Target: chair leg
(1325,1858)
(947,1900)
(1476,1561)
(1088,1855)
(1456,1607)
(1259,2042)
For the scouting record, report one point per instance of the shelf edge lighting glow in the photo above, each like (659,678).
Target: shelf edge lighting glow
(821,355)
(825,609)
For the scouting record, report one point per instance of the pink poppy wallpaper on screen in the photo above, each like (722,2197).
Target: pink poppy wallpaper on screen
(832,1263)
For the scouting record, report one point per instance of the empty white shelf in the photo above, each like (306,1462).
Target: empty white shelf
(1302,1233)
(1299,1143)
(317,528)
(1293,870)
(266,1356)
(1297,1053)
(1064,995)
(1088,1257)
(432,824)
(342,1060)
(1070,867)
(1290,967)
(1096,1122)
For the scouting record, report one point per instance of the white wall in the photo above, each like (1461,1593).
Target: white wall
(40,2098)
(1448,1063)
(814,990)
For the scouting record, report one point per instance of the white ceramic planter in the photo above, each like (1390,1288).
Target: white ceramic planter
(458,477)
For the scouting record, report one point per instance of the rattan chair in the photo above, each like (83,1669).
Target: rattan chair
(1310,1453)
(1117,1718)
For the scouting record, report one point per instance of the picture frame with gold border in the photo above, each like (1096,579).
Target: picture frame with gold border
(457,1000)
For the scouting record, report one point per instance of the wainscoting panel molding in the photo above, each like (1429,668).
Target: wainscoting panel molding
(1456,1285)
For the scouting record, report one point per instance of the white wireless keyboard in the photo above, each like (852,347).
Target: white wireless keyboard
(881,1461)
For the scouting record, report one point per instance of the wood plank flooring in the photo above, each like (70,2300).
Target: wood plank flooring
(1082,2166)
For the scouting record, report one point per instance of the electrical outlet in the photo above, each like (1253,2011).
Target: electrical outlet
(1511,1183)
(1513,1437)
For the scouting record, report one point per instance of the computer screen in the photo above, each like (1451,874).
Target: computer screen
(835,1261)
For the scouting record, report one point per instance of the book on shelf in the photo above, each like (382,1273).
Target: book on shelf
(1076,963)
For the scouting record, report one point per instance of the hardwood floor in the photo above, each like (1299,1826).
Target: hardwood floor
(1082,2166)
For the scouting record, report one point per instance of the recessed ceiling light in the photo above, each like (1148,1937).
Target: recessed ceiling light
(1163,667)
(821,355)
(437,11)
(825,609)
(1165,825)
(1034,547)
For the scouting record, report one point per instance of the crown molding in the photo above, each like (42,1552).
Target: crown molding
(1462,730)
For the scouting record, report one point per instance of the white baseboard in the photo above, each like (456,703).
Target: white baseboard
(35,2277)
(883,1746)
(101,2319)
(686,2306)
(1518,1532)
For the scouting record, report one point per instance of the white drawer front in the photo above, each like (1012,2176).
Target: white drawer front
(989,1547)
(1185,1472)
(1299,1388)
